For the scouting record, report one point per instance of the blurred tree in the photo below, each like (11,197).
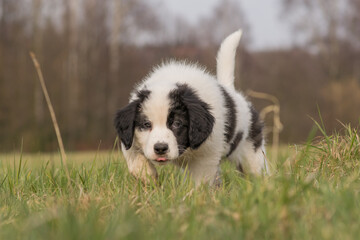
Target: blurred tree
(71,20)
(352,21)
(131,21)
(118,9)
(2,99)
(331,33)
(226,17)
(93,66)
(37,48)
(321,23)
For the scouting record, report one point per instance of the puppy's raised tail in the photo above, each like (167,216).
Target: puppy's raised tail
(226,59)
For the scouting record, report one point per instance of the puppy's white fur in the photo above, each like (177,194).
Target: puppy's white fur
(202,162)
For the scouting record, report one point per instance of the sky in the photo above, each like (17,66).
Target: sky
(268,30)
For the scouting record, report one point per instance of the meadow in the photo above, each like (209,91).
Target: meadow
(313,193)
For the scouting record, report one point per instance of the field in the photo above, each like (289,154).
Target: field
(313,193)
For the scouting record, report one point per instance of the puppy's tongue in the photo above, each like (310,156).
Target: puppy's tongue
(161,159)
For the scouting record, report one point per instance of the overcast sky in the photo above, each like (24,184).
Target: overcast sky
(267,29)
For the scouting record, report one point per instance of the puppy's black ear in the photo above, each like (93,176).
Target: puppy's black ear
(201,122)
(124,123)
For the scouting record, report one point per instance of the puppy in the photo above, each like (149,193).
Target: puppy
(183,115)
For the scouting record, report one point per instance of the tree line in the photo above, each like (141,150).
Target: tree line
(92,52)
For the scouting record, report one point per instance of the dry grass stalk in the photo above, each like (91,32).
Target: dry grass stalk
(275,108)
(52,113)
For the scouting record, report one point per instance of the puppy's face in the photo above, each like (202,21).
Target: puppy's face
(162,126)
(161,131)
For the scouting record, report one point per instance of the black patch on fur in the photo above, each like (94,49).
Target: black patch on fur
(199,118)
(255,131)
(140,119)
(125,118)
(235,143)
(178,113)
(240,168)
(230,123)
(143,94)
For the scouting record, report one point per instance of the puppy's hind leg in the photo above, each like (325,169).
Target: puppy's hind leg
(250,160)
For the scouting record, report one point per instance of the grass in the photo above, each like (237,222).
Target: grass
(313,193)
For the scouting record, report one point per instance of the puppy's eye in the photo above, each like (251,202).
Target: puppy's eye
(176,124)
(145,125)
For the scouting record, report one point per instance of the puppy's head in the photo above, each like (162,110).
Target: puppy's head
(162,124)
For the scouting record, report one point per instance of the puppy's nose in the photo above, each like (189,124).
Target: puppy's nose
(161,148)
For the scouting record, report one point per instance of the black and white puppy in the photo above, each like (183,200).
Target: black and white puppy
(182,114)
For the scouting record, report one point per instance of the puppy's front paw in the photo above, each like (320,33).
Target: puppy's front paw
(143,170)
